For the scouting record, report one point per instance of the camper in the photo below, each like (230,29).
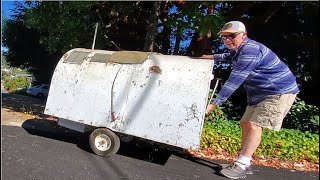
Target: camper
(157,97)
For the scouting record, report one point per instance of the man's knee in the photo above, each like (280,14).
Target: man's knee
(249,125)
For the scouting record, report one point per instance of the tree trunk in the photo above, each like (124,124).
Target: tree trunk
(177,45)
(152,28)
(315,73)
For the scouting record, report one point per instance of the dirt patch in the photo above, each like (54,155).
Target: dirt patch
(16,109)
(12,118)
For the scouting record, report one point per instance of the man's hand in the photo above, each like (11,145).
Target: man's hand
(210,108)
(205,56)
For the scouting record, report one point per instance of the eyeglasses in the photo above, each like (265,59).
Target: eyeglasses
(230,36)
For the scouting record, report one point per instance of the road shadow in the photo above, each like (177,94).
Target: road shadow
(137,149)
(215,166)
(23,103)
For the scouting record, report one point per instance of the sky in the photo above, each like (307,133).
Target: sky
(5,11)
(5,8)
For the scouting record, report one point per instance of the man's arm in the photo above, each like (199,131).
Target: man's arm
(244,66)
(207,56)
(219,57)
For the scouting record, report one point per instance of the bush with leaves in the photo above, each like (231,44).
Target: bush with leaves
(289,144)
(303,117)
(13,84)
(5,76)
(221,135)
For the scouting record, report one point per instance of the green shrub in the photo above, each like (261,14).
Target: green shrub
(221,135)
(302,117)
(5,76)
(289,144)
(13,84)
(286,144)
(217,114)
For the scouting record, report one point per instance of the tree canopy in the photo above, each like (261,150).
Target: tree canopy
(40,32)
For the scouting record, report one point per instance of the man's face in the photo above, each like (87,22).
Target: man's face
(233,40)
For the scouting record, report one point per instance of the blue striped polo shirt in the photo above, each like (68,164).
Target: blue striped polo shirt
(260,71)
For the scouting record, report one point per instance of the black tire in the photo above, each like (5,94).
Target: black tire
(40,95)
(110,142)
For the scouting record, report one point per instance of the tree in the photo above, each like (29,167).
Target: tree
(49,29)
(4,63)
(24,49)
(198,21)
(61,24)
(152,27)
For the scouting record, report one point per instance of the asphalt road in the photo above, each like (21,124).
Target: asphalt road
(28,153)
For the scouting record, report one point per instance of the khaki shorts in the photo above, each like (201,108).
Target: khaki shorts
(270,112)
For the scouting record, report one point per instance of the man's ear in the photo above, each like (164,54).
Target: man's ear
(244,34)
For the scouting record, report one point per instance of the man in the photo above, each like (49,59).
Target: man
(269,84)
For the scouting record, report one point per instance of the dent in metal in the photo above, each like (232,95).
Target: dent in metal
(155,69)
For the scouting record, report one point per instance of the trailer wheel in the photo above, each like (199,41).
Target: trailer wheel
(104,142)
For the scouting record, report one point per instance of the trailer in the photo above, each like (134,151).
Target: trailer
(157,97)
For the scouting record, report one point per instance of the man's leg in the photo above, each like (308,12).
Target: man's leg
(244,125)
(267,114)
(244,132)
(251,138)
(241,167)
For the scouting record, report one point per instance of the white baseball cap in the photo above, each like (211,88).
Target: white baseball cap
(233,27)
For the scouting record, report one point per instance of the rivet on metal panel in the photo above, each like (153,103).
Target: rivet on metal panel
(155,69)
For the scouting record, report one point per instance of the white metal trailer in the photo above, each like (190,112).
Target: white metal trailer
(152,96)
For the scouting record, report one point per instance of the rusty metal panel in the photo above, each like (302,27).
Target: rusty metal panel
(100,57)
(76,57)
(163,99)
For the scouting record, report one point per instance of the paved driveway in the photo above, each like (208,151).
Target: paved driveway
(30,153)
